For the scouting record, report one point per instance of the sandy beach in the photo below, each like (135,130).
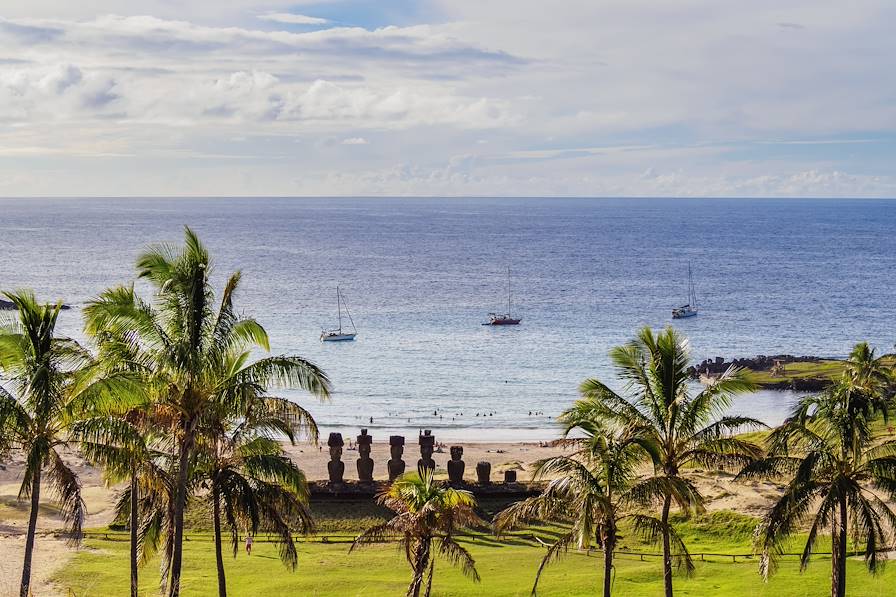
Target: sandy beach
(50,552)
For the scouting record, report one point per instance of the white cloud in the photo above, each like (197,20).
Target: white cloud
(762,98)
(54,92)
(292,18)
(355,141)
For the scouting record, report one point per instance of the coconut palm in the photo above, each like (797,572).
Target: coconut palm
(590,488)
(46,374)
(839,475)
(183,340)
(251,482)
(128,448)
(867,384)
(680,428)
(427,516)
(122,436)
(155,507)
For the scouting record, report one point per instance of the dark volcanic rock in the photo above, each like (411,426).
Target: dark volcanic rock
(10,306)
(809,384)
(761,362)
(718,365)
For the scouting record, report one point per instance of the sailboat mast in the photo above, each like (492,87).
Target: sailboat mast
(692,295)
(508,291)
(339,309)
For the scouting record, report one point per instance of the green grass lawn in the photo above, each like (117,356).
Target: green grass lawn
(824,369)
(507,568)
(817,370)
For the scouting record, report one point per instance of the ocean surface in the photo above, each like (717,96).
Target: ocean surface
(420,275)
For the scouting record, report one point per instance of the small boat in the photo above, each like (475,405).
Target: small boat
(689,309)
(499,319)
(503,318)
(338,335)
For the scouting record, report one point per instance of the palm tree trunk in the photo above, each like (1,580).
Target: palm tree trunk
(133,525)
(420,562)
(25,589)
(835,560)
(432,569)
(180,501)
(841,548)
(219,558)
(609,547)
(667,547)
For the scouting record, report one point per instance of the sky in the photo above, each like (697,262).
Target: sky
(448,97)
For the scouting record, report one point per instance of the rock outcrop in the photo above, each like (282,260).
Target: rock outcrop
(718,365)
(6,305)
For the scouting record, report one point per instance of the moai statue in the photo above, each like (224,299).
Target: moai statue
(510,476)
(335,467)
(484,472)
(396,464)
(456,465)
(427,443)
(365,463)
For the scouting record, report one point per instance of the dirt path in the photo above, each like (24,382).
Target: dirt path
(50,555)
(50,552)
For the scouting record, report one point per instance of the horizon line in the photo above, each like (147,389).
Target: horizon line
(300,197)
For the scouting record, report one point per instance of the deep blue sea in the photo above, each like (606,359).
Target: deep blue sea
(772,276)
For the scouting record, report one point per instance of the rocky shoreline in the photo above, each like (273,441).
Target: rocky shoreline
(6,305)
(712,368)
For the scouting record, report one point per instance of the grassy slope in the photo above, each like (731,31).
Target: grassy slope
(819,370)
(507,568)
(326,570)
(826,369)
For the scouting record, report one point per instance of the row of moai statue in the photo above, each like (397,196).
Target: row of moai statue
(396,466)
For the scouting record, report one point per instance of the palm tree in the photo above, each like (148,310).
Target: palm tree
(46,372)
(122,436)
(590,490)
(680,428)
(125,445)
(868,382)
(838,471)
(183,341)
(251,480)
(427,516)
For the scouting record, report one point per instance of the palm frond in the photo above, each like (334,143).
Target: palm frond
(457,555)
(65,484)
(651,529)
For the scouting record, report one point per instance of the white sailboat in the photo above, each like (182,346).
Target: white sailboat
(503,318)
(690,309)
(338,335)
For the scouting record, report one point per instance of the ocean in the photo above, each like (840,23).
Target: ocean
(420,275)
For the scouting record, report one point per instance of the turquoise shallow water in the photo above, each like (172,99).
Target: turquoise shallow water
(797,276)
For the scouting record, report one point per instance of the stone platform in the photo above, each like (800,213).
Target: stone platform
(356,490)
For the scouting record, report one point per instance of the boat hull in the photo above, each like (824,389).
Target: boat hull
(683,313)
(503,321)
(337,337)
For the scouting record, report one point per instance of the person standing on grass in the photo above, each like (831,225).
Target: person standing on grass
(249,544)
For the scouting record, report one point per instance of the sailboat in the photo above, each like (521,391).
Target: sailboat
(505,318)
(690,309)
(338,335)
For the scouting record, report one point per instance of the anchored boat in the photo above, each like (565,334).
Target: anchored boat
(690,309)
(338,335)
(503,318)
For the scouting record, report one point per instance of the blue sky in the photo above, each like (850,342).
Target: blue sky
(448,97)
